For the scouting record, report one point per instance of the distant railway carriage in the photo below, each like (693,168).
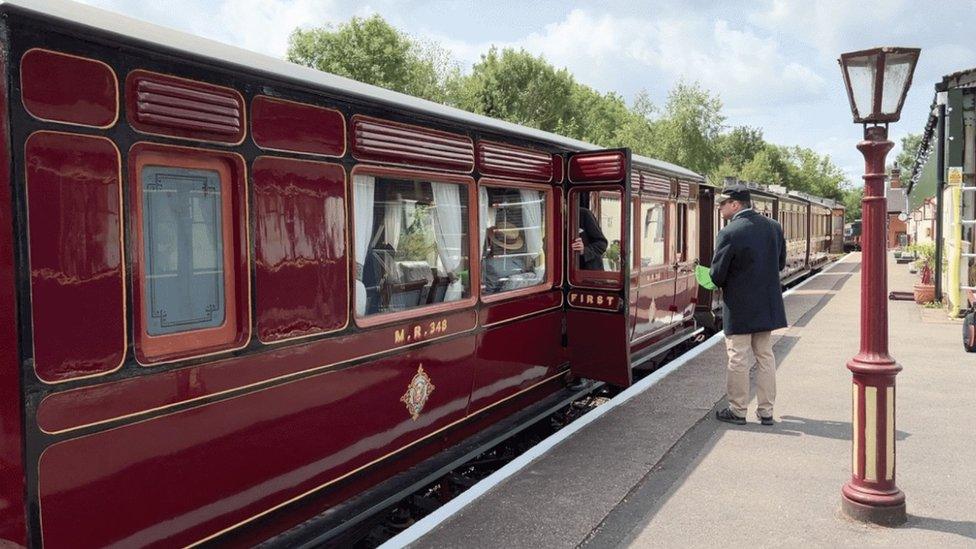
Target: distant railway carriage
(852,236)
(239,296)
(808,228)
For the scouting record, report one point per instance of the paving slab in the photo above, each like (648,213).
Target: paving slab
(780,487)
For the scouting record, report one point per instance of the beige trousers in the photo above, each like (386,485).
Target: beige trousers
(737,380)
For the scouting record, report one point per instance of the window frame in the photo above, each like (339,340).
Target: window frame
(665,204)
(474,267)
(549,238)
(235,332)
(582,278)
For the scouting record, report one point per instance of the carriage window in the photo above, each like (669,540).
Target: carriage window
(411,243)
(513,238)
(599,227)
(652,233)
(183,248)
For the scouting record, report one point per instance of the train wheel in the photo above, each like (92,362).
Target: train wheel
(969,332)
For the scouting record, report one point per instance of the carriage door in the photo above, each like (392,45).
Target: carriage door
(597,294)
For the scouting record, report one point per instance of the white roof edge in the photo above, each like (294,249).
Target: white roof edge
(193,45)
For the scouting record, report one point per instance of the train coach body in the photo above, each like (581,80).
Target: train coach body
(810,228)
(235,292)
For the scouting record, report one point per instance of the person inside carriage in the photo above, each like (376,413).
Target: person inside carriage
(513,253)
(590,242)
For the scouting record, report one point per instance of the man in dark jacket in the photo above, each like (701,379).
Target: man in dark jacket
(749,254)
(591,244)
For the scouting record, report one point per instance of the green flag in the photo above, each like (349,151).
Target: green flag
(704,277)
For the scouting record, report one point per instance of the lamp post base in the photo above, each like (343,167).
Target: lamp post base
(883,509)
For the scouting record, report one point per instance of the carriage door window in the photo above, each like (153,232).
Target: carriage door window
(596,232)
(599,227)
(183,247)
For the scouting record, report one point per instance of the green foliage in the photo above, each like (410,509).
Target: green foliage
(613,255)
(739,146)
(852,203)
(417,241)
(372,51)
(765,167)
(687,132)
(906,158)
(925,262)
(515,86)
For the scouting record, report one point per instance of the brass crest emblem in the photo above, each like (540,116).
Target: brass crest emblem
(417,393)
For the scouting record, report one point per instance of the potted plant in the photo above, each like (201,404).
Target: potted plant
(925,262)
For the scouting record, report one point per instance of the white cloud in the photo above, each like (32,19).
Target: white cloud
(257,25)
(837,26)
(607,51)
(264,25)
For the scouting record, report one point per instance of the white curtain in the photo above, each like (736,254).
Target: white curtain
(534,223)
(448,233)
(484,218)
(393,222)
(362,198)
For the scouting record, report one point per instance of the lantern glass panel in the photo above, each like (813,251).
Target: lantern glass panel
(862,73)
(898,68)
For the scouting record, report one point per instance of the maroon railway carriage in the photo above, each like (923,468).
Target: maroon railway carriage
(236,292)
(809,226)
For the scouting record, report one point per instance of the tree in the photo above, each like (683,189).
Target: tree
(906,158)
(737,147)
(688,130)
(852,203)
(514,85)
(596,118)
(370,50)
(764,168)
(815,174)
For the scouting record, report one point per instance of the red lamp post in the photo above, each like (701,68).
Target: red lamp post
(877,81)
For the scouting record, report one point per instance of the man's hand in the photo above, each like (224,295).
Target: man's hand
(577,245)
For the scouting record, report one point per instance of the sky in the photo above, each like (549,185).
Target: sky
(773,62)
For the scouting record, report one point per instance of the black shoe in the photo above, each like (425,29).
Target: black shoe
(765,420)
(727,416)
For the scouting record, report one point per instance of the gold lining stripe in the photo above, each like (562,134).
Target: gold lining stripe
(534,313)
(855,430)
(354,471)
(345,131)
(358,116)
(245,120)
(316,370)
(115,77)
(890,434)
(122,264)
(246,319)
(333,481)
(349,295)
(871,434)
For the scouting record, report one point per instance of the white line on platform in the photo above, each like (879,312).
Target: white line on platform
(428,523)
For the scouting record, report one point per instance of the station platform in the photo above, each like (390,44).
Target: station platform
(656,469)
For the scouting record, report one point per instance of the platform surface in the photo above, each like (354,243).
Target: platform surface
(660,471)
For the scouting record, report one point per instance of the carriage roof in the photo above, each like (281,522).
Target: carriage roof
(187,44)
